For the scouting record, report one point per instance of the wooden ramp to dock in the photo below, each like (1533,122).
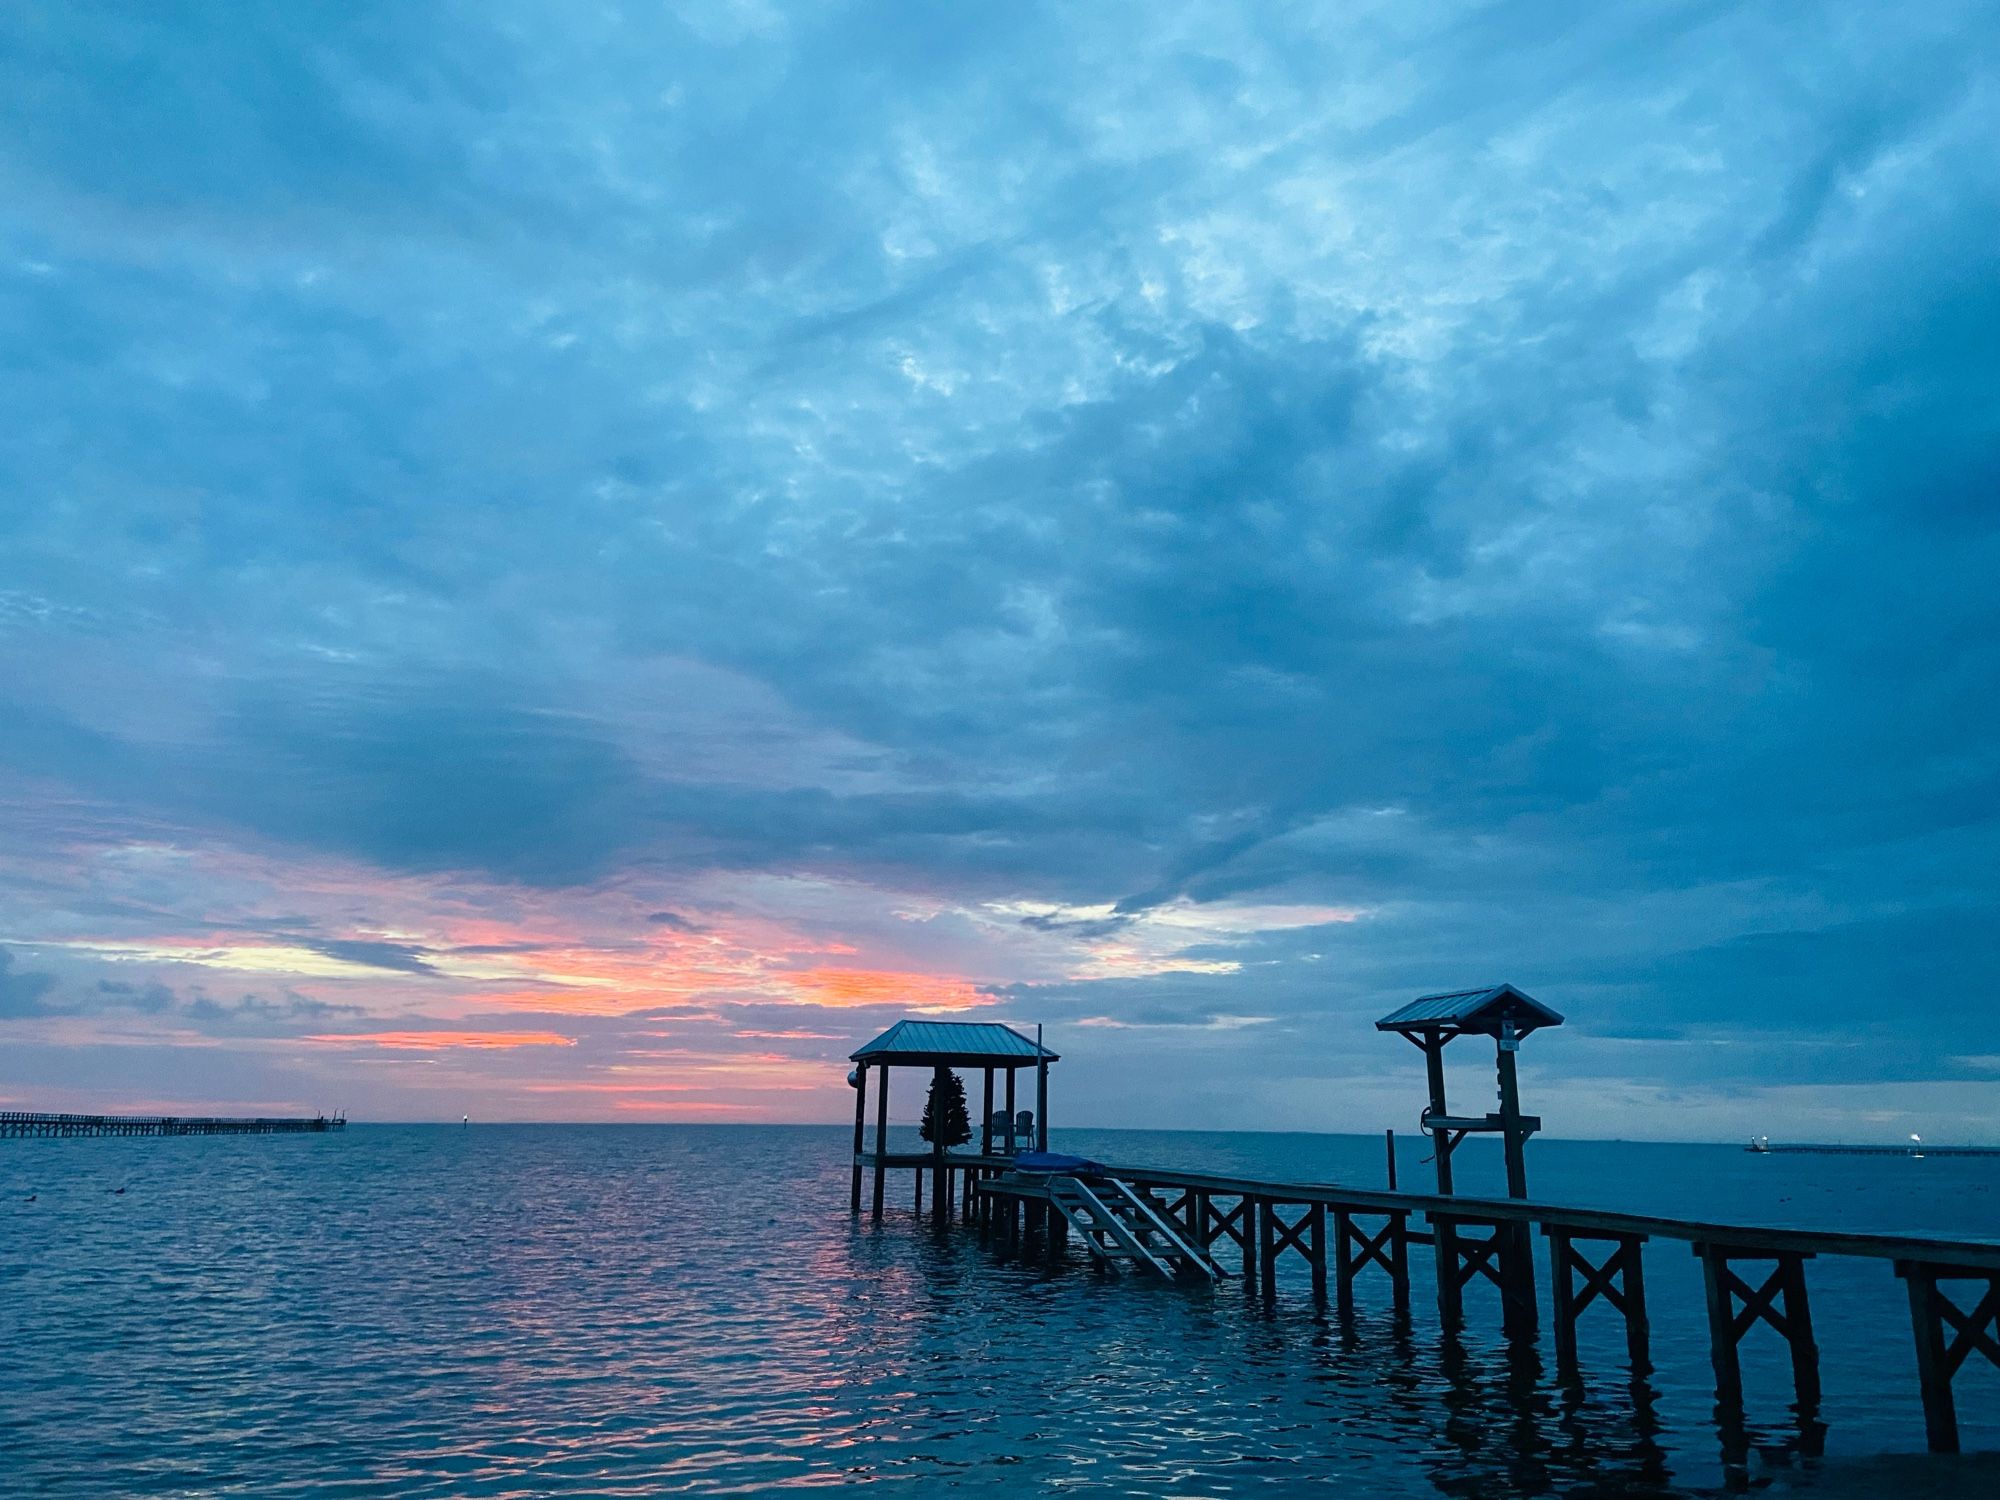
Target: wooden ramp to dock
(1117,1224)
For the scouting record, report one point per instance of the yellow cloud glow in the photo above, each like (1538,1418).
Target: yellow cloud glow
(439,1041)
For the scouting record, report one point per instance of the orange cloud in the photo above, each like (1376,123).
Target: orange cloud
(681,1106)
(844,988)
(438,1041)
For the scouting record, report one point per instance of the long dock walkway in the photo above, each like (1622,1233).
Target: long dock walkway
(1751,1275)
(1914,1152)
(22,1124)
(1184,1224)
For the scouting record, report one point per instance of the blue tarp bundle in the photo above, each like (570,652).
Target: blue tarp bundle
(1055,1161)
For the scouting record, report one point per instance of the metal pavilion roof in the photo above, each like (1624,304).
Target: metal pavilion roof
(1481,1010)
(974,1043)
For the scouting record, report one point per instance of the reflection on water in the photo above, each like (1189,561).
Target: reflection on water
(512,1312)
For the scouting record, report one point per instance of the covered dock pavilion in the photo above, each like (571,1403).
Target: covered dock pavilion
(944,1046)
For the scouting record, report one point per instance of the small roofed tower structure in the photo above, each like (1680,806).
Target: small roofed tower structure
(1503,1013)
(939,1046)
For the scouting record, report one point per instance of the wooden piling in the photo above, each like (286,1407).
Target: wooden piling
(940,1186)
(1500,1255)
(881,1133)
(860,1129)
(986,1116)
(1355,1249)
(1779,1301)
(1441,1141)
(1946,1336)
(1619,1279)
(1316,1253)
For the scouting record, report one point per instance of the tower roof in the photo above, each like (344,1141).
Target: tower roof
(1481,1011)
(981,1044)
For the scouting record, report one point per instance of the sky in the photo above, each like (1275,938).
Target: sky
(576,562)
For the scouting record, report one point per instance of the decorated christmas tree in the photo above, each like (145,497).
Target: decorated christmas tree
(945,1117)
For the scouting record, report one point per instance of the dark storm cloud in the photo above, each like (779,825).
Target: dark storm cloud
(1527,472)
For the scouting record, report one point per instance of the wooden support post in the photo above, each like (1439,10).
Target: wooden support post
(881,1132)
(1638,1326)
(940,1173)
(1722,1289)
(1355,1249)
(1041,1098)
(1947,1336)
(1398,1231)
(1502,1256)
(860,1127)
(1389,1141)
(1619,1279)
(1721,1329)
(1560,1300)
(1519,1312)
(1267,1247)
(1514,1140)
(1933,1374)
(917,1177)
(1305,1235)
(1249,1227)
(1012,1144)
(1799,1332)
(1433,1045)
(986,1117)
(1317,1255)
(1451,1298)
(1343,1260)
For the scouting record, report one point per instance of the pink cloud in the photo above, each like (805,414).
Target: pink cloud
(438,1041)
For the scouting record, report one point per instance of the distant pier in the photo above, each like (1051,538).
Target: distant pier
(1764,1148)
(22,1124)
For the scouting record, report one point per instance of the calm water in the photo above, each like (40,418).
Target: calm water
(664,1310)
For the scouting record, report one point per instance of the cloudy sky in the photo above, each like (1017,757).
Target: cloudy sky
(567,561)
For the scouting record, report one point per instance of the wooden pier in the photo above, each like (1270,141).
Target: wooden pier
(1194,1224)
(21,1125)
(1915,1153)
(1752,1276)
